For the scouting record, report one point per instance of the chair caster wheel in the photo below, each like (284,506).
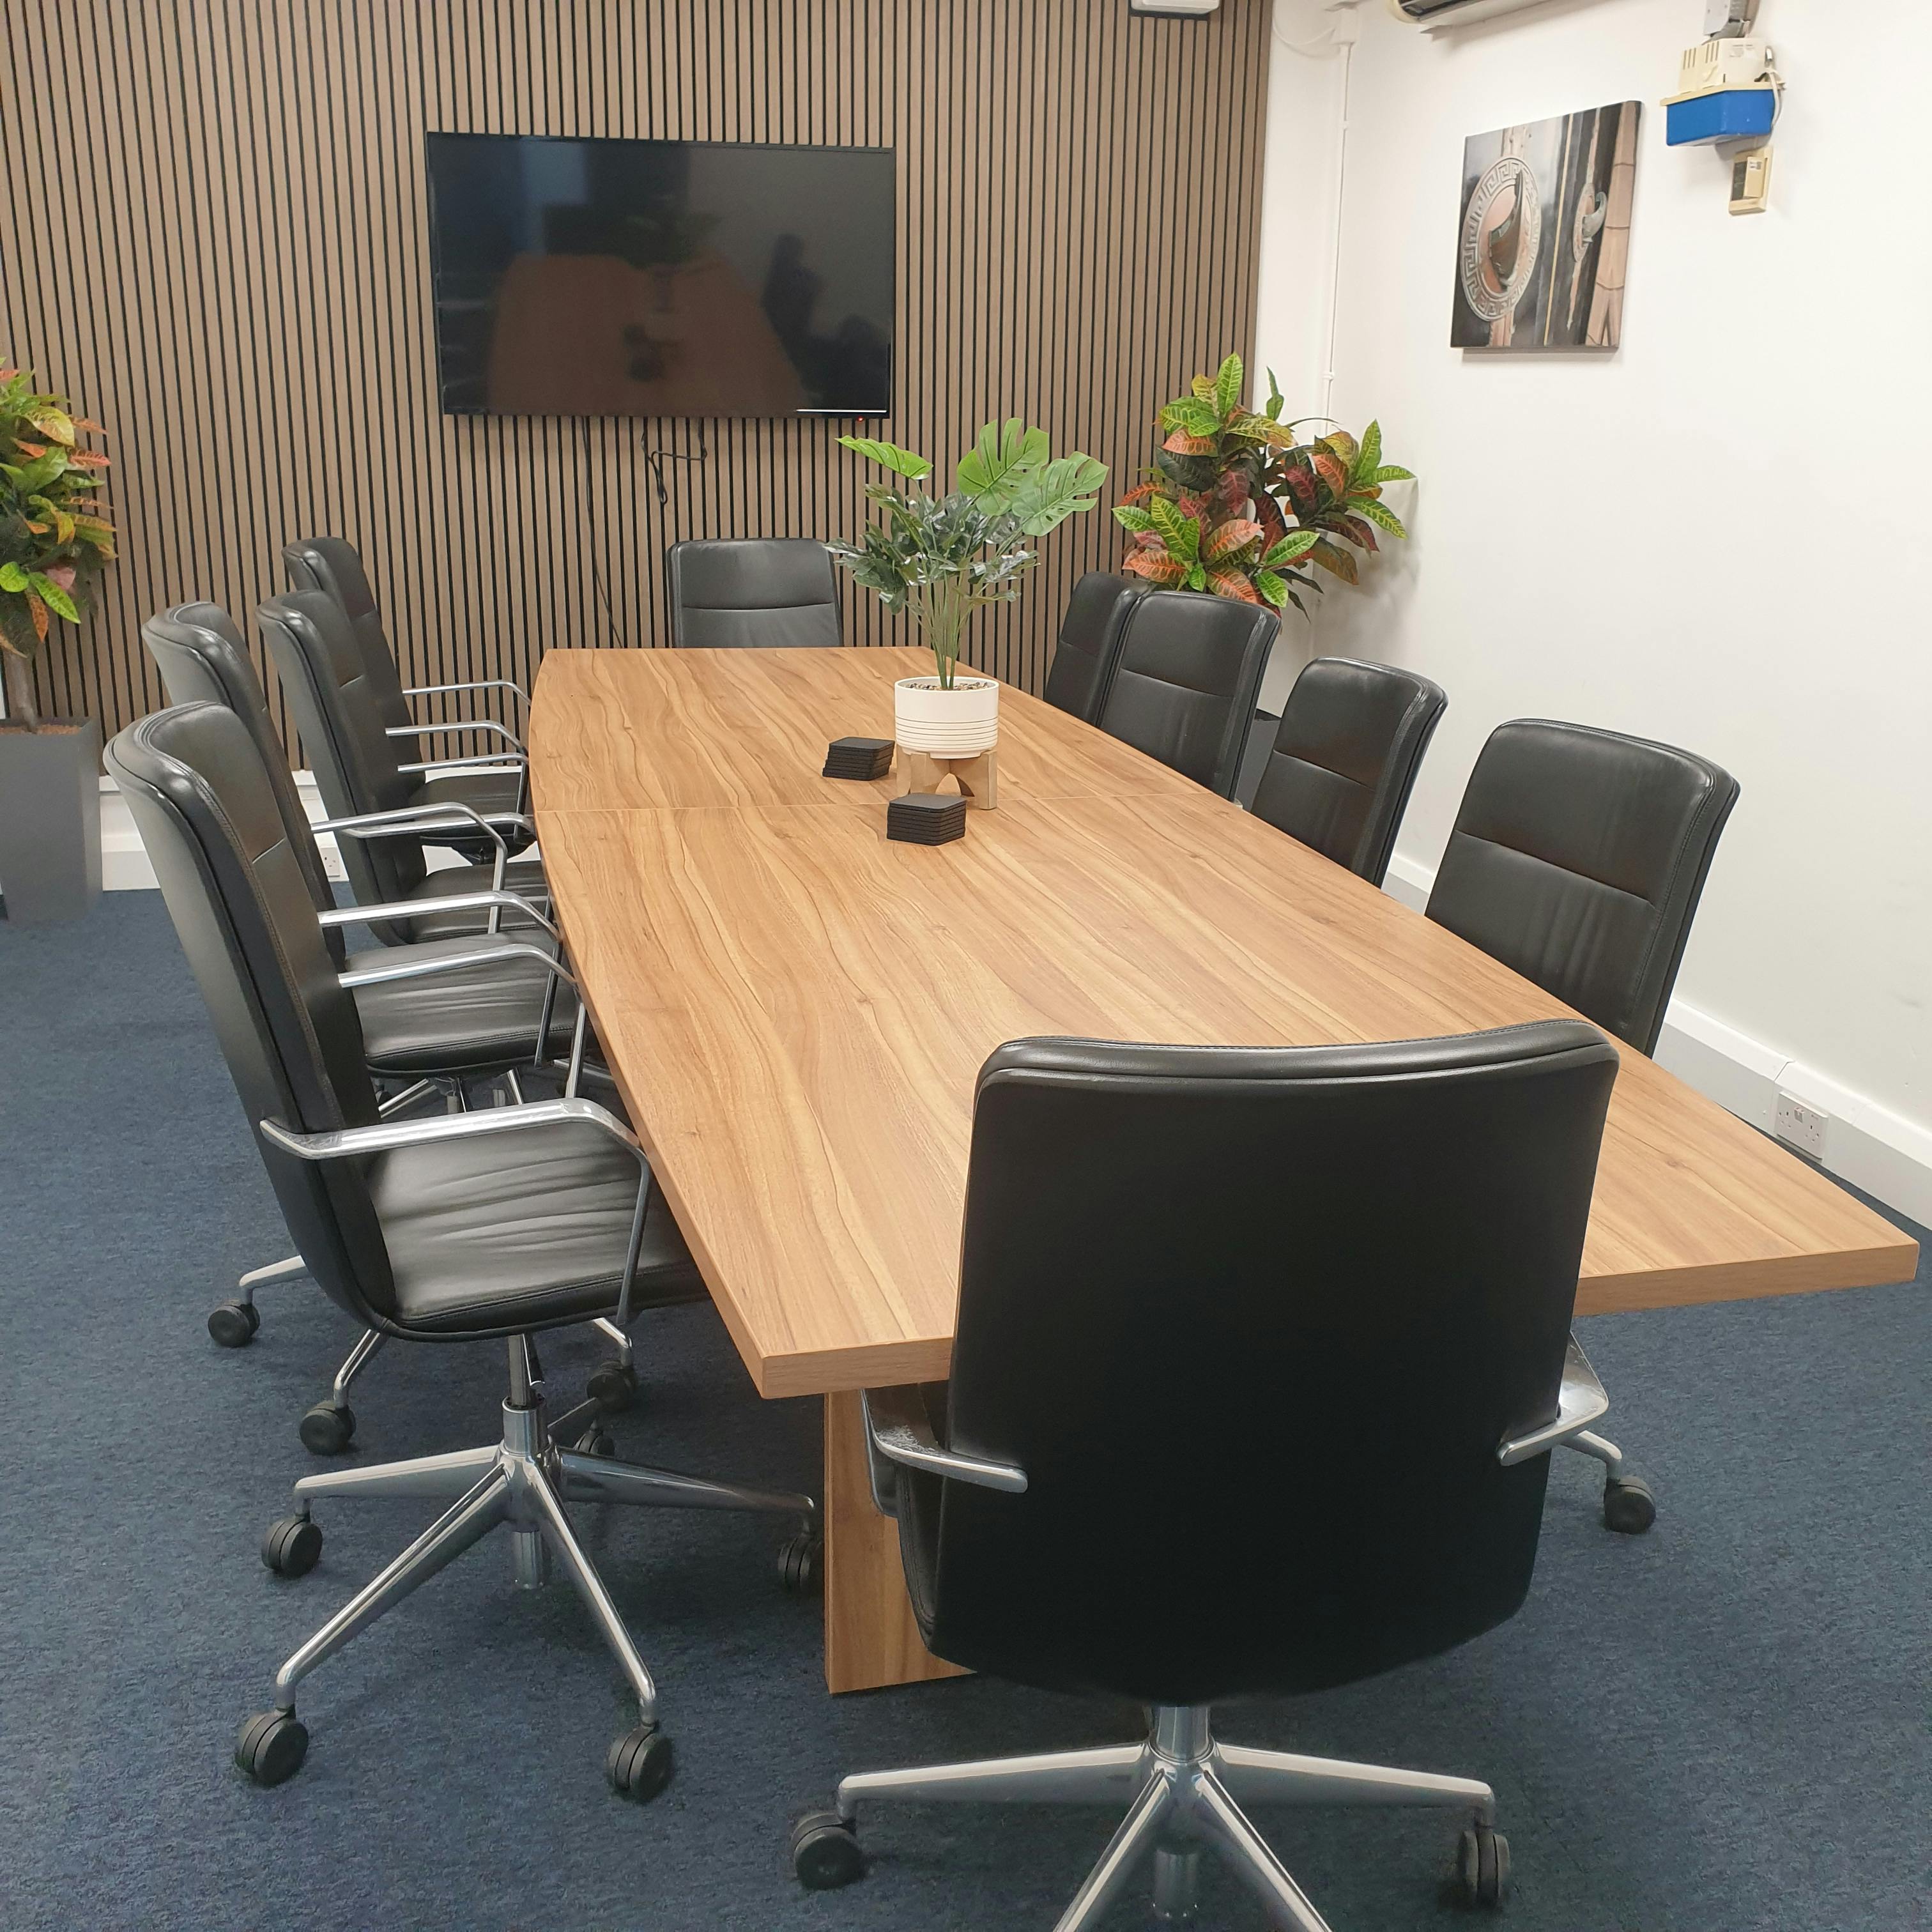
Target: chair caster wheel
(1629,1507)
(1482,1866)
(613,1386)
(801,1562)
(640,1764)
(597,1441)
(327,1430)
(271,1746)
(291,1545)
(233,1324)
(825,1851)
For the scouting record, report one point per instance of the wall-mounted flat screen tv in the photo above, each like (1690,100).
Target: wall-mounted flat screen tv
(660,278)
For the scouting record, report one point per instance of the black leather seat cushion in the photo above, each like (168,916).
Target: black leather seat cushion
(520,1229)
(495,789)
(525,876)
(763,592)
(461,1022)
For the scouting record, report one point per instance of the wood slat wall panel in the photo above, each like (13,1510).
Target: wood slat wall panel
(217,241)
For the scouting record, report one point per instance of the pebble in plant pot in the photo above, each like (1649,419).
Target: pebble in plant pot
(53,535)
(937,559)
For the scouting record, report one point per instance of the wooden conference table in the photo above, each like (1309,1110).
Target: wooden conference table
(795,1011)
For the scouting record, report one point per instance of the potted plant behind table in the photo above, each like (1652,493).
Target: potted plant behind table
(1236,500)
(54,535)
(940,558)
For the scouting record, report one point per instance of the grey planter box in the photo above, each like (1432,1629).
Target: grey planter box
(50,820)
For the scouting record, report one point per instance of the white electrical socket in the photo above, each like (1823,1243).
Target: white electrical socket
(1801,1126)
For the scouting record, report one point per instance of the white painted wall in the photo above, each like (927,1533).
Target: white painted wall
(1712,537)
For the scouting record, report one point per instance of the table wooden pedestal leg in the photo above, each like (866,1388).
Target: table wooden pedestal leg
(871,1638)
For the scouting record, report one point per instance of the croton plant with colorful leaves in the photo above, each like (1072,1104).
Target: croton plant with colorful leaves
(1237,506)
(54,530)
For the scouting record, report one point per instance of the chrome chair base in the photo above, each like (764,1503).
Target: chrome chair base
(519,1484)
(1184,1790)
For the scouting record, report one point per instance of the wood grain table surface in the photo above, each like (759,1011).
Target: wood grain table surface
(796,1008)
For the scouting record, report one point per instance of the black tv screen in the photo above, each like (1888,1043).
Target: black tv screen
(660,278)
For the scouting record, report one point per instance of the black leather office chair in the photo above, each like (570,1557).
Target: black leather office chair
(1345,756)
(766,592)
(333,566)
(434,1014)
(1089,645)
(1577,860)
(501,1222)
(1184,690)
(1258,1353)
(325,678)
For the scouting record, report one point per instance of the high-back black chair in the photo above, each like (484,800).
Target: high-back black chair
(333,566)
(325,677)
(432,1013)
(1577,860)
(202,660)
(763,592)
(500,1222)
(1345,756)
(1089,645)
(1256,1354)
(1184,690)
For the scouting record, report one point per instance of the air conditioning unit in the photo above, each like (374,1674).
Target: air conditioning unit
(1434,16)
(1175,9)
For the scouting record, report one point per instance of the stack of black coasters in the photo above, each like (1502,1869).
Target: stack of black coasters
(858,758)
(925,818)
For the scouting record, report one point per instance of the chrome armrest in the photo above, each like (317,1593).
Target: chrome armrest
(359,915)
(454,962)
(446,815)
(345,1143)
(898,1429)
(455,725)
(412,821)
(516,691)
(1580,1402)
(479,761)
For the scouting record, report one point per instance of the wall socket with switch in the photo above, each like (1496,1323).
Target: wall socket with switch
(1800,1126)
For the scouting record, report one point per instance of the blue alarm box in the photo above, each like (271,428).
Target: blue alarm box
(1731,114)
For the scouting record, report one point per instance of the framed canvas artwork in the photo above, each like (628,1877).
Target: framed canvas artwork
(1544,239)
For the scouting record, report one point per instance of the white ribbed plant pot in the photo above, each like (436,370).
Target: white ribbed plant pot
(957,724)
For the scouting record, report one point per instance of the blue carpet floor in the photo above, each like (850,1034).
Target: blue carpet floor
(1720,1727)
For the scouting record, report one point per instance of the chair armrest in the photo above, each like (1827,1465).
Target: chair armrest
(455,725)
(897,1428)
(360,915)
(516,691)
(446,815)
(455,962)
(481,760)
(1580,1402)
(345,1143)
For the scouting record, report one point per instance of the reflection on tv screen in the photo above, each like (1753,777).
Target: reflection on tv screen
(660,278)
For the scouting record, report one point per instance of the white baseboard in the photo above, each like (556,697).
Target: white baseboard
(1887,1155)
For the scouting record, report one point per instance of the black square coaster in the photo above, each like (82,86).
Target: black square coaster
(858,758)
(925,818)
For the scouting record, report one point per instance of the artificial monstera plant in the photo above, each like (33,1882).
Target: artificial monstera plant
(54,533)
(1237,505)
(938,558)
